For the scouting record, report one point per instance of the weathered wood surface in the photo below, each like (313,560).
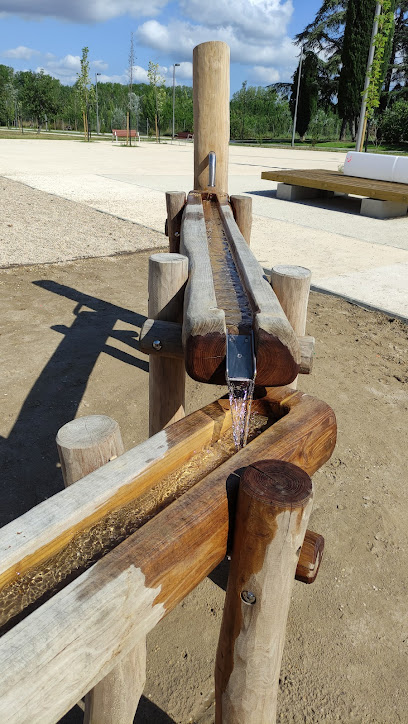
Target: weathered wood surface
(175,201)
(51,658)
(46,529)
(274,504)
(335,181)
(242,210)
(211,112)
(291,285)
(277,347)
(167,279)
(84,445)
(204,324)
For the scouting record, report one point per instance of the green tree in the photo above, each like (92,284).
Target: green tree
(118,119)
(156,81)
(394,123)
(308,93)
(39,95)
(356,44)
(85,90)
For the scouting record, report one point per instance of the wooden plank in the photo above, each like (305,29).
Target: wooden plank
(61,650)
(175,201)
(335,181)
(50,526)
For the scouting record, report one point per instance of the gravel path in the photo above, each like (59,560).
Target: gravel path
(37,228)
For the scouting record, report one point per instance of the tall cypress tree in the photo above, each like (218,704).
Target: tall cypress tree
(308,93)
(356,46)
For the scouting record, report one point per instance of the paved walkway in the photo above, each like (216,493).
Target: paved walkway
(362,259)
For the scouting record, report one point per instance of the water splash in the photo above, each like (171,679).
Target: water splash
(240,397)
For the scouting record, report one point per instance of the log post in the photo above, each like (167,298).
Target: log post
(84,445)
(168,275)
(291,285)
(274,504)
(242,210)
(211,113)
(175,201)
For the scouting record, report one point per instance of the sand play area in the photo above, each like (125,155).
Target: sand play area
(73,286)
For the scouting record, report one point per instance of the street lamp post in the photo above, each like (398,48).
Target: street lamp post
(297,97)
(97,108)
(175,65)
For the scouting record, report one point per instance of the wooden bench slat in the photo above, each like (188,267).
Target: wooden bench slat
(336,181)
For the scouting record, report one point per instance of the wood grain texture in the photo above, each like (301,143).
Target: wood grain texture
(242,210)
(167,279)
(168,334)
(277,347)
(307,352)
(87,443)
(175,201)
(291,285)
(204,330)
(211,112)
(51,658)
(274,504)
(335,181)
(84,445)
(310,557)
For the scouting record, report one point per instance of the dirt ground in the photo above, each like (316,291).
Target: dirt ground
(68,347)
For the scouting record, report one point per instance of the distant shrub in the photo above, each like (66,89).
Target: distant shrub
(394,123)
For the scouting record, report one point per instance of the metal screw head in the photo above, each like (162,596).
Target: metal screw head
(248,597)
(157,344)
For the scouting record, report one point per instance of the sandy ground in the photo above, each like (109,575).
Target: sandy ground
(69,347)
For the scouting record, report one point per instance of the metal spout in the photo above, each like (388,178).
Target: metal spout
(212,162)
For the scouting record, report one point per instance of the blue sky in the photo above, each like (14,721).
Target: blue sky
(259,33)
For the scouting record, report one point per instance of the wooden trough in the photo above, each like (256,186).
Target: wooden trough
(88,573)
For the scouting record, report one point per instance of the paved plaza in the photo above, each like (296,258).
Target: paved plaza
(359,258)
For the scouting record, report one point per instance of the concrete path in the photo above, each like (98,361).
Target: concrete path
(362,259)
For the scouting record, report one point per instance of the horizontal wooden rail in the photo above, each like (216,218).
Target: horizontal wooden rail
(60,651)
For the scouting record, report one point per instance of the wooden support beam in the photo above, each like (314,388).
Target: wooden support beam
(211,113)
(164,339)
(84,445)
(175,201)
(274,504)
(57,653)
(310,557)
(168,275)
(291,285)
(242,210)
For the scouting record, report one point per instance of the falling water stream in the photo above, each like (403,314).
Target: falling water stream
(240,397)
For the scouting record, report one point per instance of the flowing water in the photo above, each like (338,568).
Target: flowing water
(240,397)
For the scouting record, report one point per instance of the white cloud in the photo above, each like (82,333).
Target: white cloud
(98,65)
(265,75)
(79,11)
(263,19)
(179,38)
(20,53)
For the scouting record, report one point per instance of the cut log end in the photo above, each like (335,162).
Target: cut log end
(277,483)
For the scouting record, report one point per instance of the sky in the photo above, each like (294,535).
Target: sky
(50,34)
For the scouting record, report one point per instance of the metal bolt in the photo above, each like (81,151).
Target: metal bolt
(157,344)
(248,597)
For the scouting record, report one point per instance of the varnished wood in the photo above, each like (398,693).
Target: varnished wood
(274,504)
(175,201)
(51,658)
(167,278)
(310,557)
(291,285)
(242,210)
(211,112)
(335,181)
(204,325)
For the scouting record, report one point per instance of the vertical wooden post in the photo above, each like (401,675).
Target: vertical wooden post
(84,445)
(274,504)
(211,112)
(175,201)
(291,285)
(242,210)
(167,279)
